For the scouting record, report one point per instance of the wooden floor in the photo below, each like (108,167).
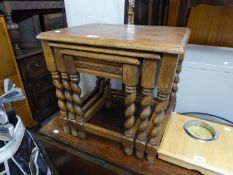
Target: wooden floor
(95,155)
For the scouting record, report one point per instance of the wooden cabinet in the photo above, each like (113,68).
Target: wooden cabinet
(39,85)
(25,19)
(9,69)
(209,21)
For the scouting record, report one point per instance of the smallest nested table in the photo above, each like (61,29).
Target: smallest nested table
(146,54)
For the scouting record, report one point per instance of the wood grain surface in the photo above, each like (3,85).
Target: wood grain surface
(147,38)
(211,25)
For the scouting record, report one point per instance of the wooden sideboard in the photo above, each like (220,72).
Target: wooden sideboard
(38,85)
(9,69)
(120,52)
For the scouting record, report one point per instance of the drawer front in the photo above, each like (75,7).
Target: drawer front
(42,93)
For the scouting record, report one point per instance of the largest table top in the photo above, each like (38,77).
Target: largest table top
(148,38)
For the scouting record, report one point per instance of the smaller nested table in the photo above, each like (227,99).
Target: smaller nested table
(143,57)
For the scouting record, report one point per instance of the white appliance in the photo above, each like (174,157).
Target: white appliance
(206,81)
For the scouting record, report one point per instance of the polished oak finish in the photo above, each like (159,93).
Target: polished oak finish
(141,38)
(145,56)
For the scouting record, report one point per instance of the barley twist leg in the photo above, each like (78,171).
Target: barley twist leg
(144,117)
(69,101)
(129,115)
(172,99)
(77,101)
(157,129)
(61,99)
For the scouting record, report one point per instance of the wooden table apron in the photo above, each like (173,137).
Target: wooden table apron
(67,60)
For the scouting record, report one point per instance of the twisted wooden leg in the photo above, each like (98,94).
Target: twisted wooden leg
(144,117)
(149,70)
(130,79)
(61,99)
(130,119)
(159,118)
(79,113)
(69,101)
(157,129)
(172,99)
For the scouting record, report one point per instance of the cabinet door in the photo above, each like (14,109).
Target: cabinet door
(9,69)
(43,97)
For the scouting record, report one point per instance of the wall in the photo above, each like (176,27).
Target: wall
(80,12)
(94,11)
